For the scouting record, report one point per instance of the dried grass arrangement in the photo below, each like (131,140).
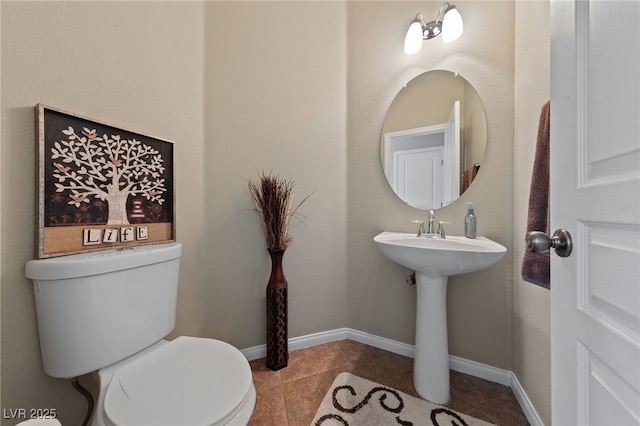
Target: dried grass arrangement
(273,198)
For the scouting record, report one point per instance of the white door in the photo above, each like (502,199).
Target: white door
(595,195)
(451,157)
(418,179)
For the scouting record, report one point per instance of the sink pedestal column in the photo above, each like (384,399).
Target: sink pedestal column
(431,358)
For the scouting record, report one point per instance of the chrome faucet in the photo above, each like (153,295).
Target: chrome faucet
(430,232)
(432,215)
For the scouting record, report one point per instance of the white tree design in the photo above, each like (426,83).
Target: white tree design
(108,168)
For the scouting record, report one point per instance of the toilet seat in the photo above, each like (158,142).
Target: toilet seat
(188,381)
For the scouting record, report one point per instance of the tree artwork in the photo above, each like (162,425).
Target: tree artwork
(100,187)
(109,168)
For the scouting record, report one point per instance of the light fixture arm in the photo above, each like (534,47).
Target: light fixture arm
(433,28)
(420,19)
(420,30)
(441,12)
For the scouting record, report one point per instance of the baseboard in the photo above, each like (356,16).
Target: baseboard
(477,369)
(462,365)
(525,402)
(381,343)
(498,375)
(301,342)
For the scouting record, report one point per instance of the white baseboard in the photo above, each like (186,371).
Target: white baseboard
(477,369)
(525,402)
(301,342)
(462,365)
(498,375)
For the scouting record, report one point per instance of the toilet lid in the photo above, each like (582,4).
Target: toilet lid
(188,381)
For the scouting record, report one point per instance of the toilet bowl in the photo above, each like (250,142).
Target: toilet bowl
(107,313)
(187,381)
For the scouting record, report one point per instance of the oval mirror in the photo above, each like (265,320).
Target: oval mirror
(433,139)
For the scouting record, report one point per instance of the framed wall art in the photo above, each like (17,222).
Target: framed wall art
(99,186)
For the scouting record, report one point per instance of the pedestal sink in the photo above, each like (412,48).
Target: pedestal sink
(434,260)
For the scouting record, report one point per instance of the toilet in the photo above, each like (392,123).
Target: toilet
(107,313)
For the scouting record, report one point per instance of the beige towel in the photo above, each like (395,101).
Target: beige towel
(536,266)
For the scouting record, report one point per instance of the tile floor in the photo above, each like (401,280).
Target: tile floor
(292,395)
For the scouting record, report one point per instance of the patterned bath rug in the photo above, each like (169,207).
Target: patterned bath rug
(354,401)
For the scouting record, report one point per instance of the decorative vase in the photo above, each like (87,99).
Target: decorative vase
(277,336)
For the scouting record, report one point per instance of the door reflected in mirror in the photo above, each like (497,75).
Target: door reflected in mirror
(433,139)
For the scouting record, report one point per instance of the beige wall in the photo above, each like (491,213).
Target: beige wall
(475,129)
(479,305)
(531,304)
(275,101)
(139,65)
(416,105)
(301,90)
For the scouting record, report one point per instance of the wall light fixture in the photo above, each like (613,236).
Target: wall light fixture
(448,22)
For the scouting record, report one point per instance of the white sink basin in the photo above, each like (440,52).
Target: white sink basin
(439,257)
(434,260)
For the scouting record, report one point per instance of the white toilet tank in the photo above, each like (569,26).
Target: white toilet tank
(98,308)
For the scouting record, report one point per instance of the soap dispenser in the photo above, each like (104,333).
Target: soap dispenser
(470,221)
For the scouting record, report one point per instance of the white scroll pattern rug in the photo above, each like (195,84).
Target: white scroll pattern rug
(354,401)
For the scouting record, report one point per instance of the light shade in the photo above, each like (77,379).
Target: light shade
(452,27)
(448,23)
(413,39)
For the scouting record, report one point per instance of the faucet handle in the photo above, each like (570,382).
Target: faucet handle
(421,229)
(441,228)
(432,214)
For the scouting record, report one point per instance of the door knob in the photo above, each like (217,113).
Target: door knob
(539,242)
